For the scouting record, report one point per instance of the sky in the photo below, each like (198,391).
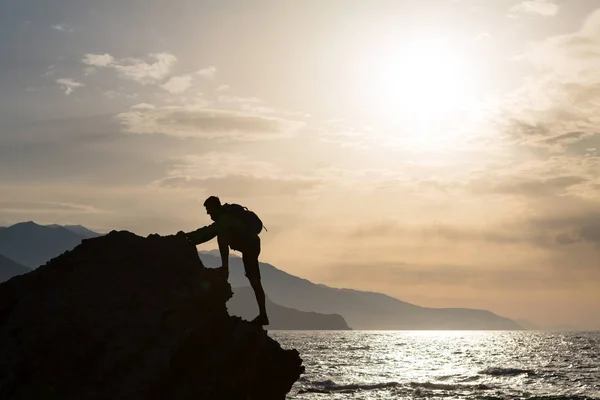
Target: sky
(444,152)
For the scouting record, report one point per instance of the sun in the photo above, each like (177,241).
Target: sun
(423,88)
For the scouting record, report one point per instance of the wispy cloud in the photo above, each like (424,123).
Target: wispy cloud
(555,177)
(195,121)
(246,104)
(234,175)
(544,8)
(46,206)
(178,84)
(98,60)
(62,28)
(208,72)
(240,185)
(69,85)
(560,105)
(135,69)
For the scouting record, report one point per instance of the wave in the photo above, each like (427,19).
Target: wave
(355,348)
(562,397)
(329,386)
(497,371)
(449,386)
(469,378)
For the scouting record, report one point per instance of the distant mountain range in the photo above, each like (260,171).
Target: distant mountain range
(10,268)
(32,245)
(362,310)
(78,229)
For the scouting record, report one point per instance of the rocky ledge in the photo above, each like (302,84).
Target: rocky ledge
(127,317)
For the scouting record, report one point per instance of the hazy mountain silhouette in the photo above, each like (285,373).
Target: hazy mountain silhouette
(79,229)
(529,325)
(361,310)
(243,304)
(32,245)
(10,268)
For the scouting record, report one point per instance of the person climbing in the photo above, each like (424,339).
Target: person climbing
(237,227)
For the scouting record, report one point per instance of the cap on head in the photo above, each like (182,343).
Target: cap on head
(212,202)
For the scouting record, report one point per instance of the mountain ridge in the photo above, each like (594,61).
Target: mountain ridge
(16,242)
(360,309)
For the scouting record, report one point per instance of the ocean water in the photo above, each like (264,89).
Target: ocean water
(445,364)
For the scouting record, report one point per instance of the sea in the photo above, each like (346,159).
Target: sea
(445,364)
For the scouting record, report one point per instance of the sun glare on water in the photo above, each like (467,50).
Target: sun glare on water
(424,89)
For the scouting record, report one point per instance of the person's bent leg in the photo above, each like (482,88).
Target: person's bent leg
(253,274)
(224,240)
(259,293)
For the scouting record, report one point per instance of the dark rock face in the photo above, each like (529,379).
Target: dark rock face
(126,317)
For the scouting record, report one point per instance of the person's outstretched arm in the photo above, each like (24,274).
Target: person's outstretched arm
(203,234)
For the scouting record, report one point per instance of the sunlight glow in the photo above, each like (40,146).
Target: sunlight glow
(426,87)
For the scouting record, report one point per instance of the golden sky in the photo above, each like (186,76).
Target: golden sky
(443,152)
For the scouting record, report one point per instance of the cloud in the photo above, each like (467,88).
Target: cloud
(573,53)
(222,163)
(481,37)
(560,105)
(532,187)
(247,104)
(62,28)
(234,175)
(69,85)
(544,8)
(571,227)
(438,274)
(195,121)
(554,177)
(46,207)
(98,60)
(453,233)
(208,72)
(547,231)
(135,69)
(178,84)
(240,185)
(542,204)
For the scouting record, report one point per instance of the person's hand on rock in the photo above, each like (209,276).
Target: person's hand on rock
(182,234)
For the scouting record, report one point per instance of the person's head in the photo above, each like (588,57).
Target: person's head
(213,207)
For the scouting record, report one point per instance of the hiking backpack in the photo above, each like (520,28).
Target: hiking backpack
(251,221)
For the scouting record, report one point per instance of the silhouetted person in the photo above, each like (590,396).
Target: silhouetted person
(236,227)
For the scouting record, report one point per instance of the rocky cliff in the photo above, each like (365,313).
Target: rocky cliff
(126,317)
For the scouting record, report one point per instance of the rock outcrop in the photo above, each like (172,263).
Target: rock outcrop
(126,317)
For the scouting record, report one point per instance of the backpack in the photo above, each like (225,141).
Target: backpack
(252,222)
